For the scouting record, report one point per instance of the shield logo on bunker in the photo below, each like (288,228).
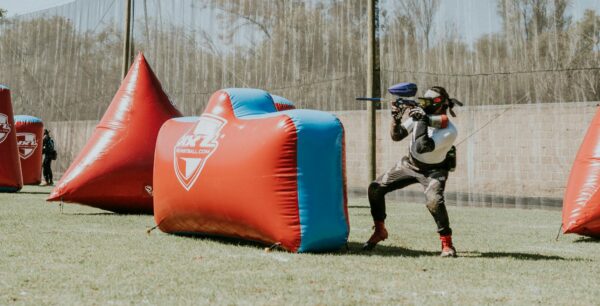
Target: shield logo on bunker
(4,127)
(26,142)
(194,148)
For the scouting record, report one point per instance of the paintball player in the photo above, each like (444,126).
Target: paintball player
(49,155)
(431,156)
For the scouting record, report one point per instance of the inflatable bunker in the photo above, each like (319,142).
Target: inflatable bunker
(114,169)
(30,131)
(282,104)
(244,170)
(581,204)
(10,165)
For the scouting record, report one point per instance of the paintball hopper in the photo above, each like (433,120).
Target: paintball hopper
(403,89)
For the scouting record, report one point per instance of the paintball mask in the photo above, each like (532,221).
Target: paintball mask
(436,98)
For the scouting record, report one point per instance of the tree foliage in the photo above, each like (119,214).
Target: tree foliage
(540,55)
(313,52)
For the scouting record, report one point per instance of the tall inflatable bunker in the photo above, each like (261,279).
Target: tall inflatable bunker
(10,165)
(581,204)
(30,131)
(242,169)
(114,170)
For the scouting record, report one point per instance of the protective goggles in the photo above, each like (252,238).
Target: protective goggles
(427,102)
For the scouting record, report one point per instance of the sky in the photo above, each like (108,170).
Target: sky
(462,13)
(465,13)
(17,7)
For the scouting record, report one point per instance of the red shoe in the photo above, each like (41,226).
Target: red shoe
(380,234)
(448,249)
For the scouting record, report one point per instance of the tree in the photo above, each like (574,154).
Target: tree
(422,13)
(586,54)
(78,73)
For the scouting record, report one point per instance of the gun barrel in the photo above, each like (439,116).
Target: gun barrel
(369,99)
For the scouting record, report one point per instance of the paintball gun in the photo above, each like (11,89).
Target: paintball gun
(402,91)
(405,90)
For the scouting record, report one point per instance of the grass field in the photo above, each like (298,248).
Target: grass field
(87,256)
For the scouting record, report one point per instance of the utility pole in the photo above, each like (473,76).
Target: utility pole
(371,107)
(127,36)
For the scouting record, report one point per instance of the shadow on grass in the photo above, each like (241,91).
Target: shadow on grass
(588,240)
(515,255)
(93,214)
(359,206)
(63,211)
(100,213)
(355,248)
(33,192)
(225,240)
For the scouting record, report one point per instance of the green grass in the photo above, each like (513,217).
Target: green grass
(87,256)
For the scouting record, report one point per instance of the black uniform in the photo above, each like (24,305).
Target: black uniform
(49,155)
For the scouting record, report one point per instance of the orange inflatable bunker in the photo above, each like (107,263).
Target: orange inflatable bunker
(242,169)
(30,131)
(114,169)
(581,204)
(10,165)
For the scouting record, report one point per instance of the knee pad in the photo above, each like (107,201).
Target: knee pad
(434,196)
(434,203)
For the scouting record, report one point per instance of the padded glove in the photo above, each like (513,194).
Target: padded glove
(397,111)
(417,113)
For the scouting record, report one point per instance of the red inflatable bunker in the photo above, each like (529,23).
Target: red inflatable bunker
(245,170)
(30,132)
(114,169)
(282,104)
(10,166)
(581,204)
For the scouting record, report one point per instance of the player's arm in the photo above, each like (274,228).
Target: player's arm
(446,139)
(421,140)
(424,143)
(399,130)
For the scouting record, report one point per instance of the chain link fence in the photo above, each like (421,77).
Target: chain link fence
(528,72)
